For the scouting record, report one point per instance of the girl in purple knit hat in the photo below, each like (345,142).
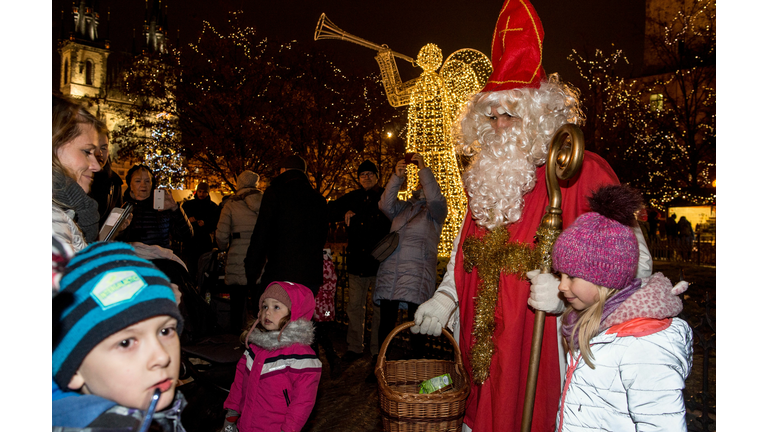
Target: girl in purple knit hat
(628,357)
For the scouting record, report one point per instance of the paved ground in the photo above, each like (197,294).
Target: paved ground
(349,403)
(346,403)
(699,309)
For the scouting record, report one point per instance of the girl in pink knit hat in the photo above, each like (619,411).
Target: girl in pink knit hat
(628,357)
(276,380)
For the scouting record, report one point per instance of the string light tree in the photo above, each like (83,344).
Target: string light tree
(161,153)
(149,132)
(434,101)
(665,119)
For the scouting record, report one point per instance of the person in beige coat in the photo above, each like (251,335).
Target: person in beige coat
(234,230)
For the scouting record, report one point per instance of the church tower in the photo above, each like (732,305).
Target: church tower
(84,54)
(155,28)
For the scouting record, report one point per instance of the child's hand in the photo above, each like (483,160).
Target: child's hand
(544,292)
(230,421)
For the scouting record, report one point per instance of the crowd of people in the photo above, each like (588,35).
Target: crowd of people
(275,253)
(613,356)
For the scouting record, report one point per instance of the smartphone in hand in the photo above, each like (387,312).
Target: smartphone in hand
(159,200)
(113,222)
(409,158)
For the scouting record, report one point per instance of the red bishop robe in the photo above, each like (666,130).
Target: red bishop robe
(497,405)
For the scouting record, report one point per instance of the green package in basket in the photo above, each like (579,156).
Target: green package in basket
(435,384)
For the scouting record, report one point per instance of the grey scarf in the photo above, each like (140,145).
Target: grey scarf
(69,195)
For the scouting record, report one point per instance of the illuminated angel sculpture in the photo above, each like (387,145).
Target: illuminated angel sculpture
(434,101)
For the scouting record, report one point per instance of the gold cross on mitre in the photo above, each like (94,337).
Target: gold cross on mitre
(517,47)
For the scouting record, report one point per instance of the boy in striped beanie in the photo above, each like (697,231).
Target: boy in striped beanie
(116,332)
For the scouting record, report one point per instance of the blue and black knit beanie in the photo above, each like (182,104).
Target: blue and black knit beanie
(105,288)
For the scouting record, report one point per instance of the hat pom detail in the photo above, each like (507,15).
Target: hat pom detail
(600,246)
(617,202)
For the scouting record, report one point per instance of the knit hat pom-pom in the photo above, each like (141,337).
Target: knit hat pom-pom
(617,202)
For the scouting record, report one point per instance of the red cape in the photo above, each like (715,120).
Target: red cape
(497,404)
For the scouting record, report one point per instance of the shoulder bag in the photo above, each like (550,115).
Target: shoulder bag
(388,244)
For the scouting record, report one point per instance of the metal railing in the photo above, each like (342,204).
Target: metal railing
(678,250)
(436,347)
(701,405)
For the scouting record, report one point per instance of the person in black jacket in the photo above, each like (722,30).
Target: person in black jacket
(203,214)
(366,225)
(150,226)
(290,233)
(107,186)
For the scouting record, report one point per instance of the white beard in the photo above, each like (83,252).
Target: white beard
(498,178)
(503,168)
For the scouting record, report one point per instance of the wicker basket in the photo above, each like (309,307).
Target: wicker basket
(402,407)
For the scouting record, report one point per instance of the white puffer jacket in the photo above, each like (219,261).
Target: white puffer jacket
(238,217)
(65,229)
(636,384)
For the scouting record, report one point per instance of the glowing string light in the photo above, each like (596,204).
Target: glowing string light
(436,99)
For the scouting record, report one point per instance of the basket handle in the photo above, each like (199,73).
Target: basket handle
(409,324)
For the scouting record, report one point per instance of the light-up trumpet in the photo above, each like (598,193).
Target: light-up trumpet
(327,30)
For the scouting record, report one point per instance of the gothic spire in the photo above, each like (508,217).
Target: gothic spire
(86,21)
(155,28)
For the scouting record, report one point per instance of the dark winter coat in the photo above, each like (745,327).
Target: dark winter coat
(290,233)
(366,227)
(409,273)
(106,189)
(206,211)
(154,227)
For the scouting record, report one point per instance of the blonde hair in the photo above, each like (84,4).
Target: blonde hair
(588,324)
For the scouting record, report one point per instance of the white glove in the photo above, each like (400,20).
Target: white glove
(433,314)
(544,292)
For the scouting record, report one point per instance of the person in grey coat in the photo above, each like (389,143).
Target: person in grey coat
(408,275)
(234,230)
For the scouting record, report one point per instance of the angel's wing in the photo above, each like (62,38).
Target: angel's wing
(464,73)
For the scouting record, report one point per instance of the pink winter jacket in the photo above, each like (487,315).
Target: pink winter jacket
(276,379)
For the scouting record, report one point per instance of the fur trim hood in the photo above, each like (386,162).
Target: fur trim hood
(299,331)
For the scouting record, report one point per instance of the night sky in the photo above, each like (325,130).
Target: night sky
(405,26)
